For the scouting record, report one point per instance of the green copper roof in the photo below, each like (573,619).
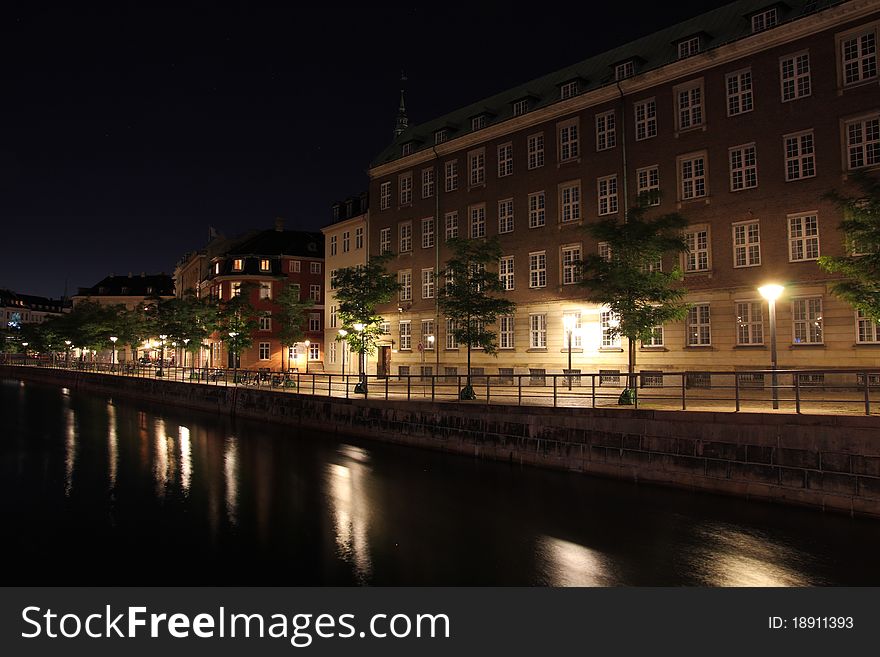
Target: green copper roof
(716,27)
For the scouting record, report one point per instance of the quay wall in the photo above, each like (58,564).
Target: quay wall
(821,461)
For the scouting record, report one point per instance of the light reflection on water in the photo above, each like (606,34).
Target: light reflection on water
(563,563)
(112,445)
(348,493)
(230,472)
(185,458)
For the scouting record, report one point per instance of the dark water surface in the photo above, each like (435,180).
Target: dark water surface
(99,491)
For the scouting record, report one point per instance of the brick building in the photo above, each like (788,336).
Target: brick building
(742,117)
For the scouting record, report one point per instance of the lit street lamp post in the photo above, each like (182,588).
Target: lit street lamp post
(361,387)
(232,349)
(25,345)
(342,334)
(307,343)
(568,322)
(185,344)
(67,359)
(772,292)
(113,339)
(161,371)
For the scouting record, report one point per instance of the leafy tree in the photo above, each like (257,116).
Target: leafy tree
(133,326)
(359,291)
(630,284)
(186,320)
(237,319)
(89,325)
(861,266)
(469,297)
(291,317)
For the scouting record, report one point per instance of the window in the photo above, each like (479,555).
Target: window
(237,264)
(794,76)
(478,221)
(428,283)
(536,210)
(604,250)
(867,330)
(858,52)
(699,330)
(749,322)
(346,241)
(406,149)
(624,70)
(764,20)
(538,269)
(441,135)
(477,167)
(806,319)
(568,89)
(536,150)
(427,183)
(863,142)
(746,244)
(264,351)
(451,225)
(607,191)
(405,335)
(314,351)
(427,337)
(295,266)
(405,183)
(332,353)
(648,181)
(478,122)
(505,160)
(505,216)
(606,135)
(358,241)
(739,92)
(803,237)
(568,141)
(236,288)
(264,264)
(505,272)
(384,240)
(427,232)
(265,290)
(688,47)
(799,156)
(743,167)
(296,291)
(385,328)
(315,293)
(334,316)
(570,202)
(385,195)
(656,339)
(521,107)
(537,331)
(333,245)
(692,172)
(315,267)
(646,119)
(404,230)
(697,256)
(571,321)
(609,322)
(405,279)
(451,175)
(265,323)
(689,98)
(451,340)
(505,332)
(571,257)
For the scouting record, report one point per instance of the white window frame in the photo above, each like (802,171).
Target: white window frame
(265,291)
(867,329)
(405,333)
(568,140)
(427,232)
(428,186)
(794,76)
(477,223)
(570,202)
(606,191)
(315,267)
(384,240)
(506,332)
(427,326)
(862,141)
(647,181)
(506,273)
(521,107)
(624,70)
(314,322)
(746,236)
(569,257)
(535,144)
(607,340)
(689,47)
(314,351)
(577,339)
(698,257)
(740,92)
(428,283)
(359,238)
(537,209)
(346,241)
(606,131)
(265,348)
(385,195)
(698,326)
(404,277)
(478,122)
(477,167)
(806,322)
(266,322)
(333,241)
(537,331)
(404,234)
(803,236)
(505,216)
(451,225)
(764,20)
(569,89)
(749,315)
(451,175)
(315,292)
(451,341)
(693,176)
(799,150)
(857,66)
(645,116)
(743,166)
(537,269)
(690,105)
(405,183)
(505,160)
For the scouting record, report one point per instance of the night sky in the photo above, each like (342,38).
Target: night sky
(128,131)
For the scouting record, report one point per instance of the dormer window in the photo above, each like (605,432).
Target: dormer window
(520,107)
(764,20)
(441,135)
(124,291)
(478,122)
(237,264)
(406,149)
(216,267)
(688,47)
(102,290)
(624,70)
(568,89)
(264,264)
(336,212)
(149,290)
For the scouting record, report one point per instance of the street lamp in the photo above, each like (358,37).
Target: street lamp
(772,292)
(342,334)
(67,342)
(568,322)
(361,387)
(113,339)
(161,355)
(25,345)
(185,343)
(307,343)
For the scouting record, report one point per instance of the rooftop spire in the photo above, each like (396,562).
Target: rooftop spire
(402,120)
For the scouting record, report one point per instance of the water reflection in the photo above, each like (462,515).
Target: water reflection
(112,444)
(563,563)
(70,434)
(347,488)
(185,458)
(230,472)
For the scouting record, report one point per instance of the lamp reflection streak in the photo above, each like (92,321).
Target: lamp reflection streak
(230,471)
(185,458)
(350,507)
(69,449)
(563,563)
(160,467)
(112,444)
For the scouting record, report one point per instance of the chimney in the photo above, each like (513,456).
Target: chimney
(279,224)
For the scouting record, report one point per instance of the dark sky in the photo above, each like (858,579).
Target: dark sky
(128,131)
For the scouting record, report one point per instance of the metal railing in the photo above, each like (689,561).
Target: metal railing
(815,391)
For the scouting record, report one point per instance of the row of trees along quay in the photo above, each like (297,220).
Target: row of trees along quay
(626,279)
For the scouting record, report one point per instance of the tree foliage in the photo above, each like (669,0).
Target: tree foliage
(860,267)
(291,316)
(237,319)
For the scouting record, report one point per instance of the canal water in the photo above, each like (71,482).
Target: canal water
(101,491)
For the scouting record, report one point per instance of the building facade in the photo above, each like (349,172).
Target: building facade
(345,245)
(741,118)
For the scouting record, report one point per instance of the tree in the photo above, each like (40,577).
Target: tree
(469,297)
(291,317)
(236,322)
(359,291)
(861,266)
(186,320)
(630,282)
